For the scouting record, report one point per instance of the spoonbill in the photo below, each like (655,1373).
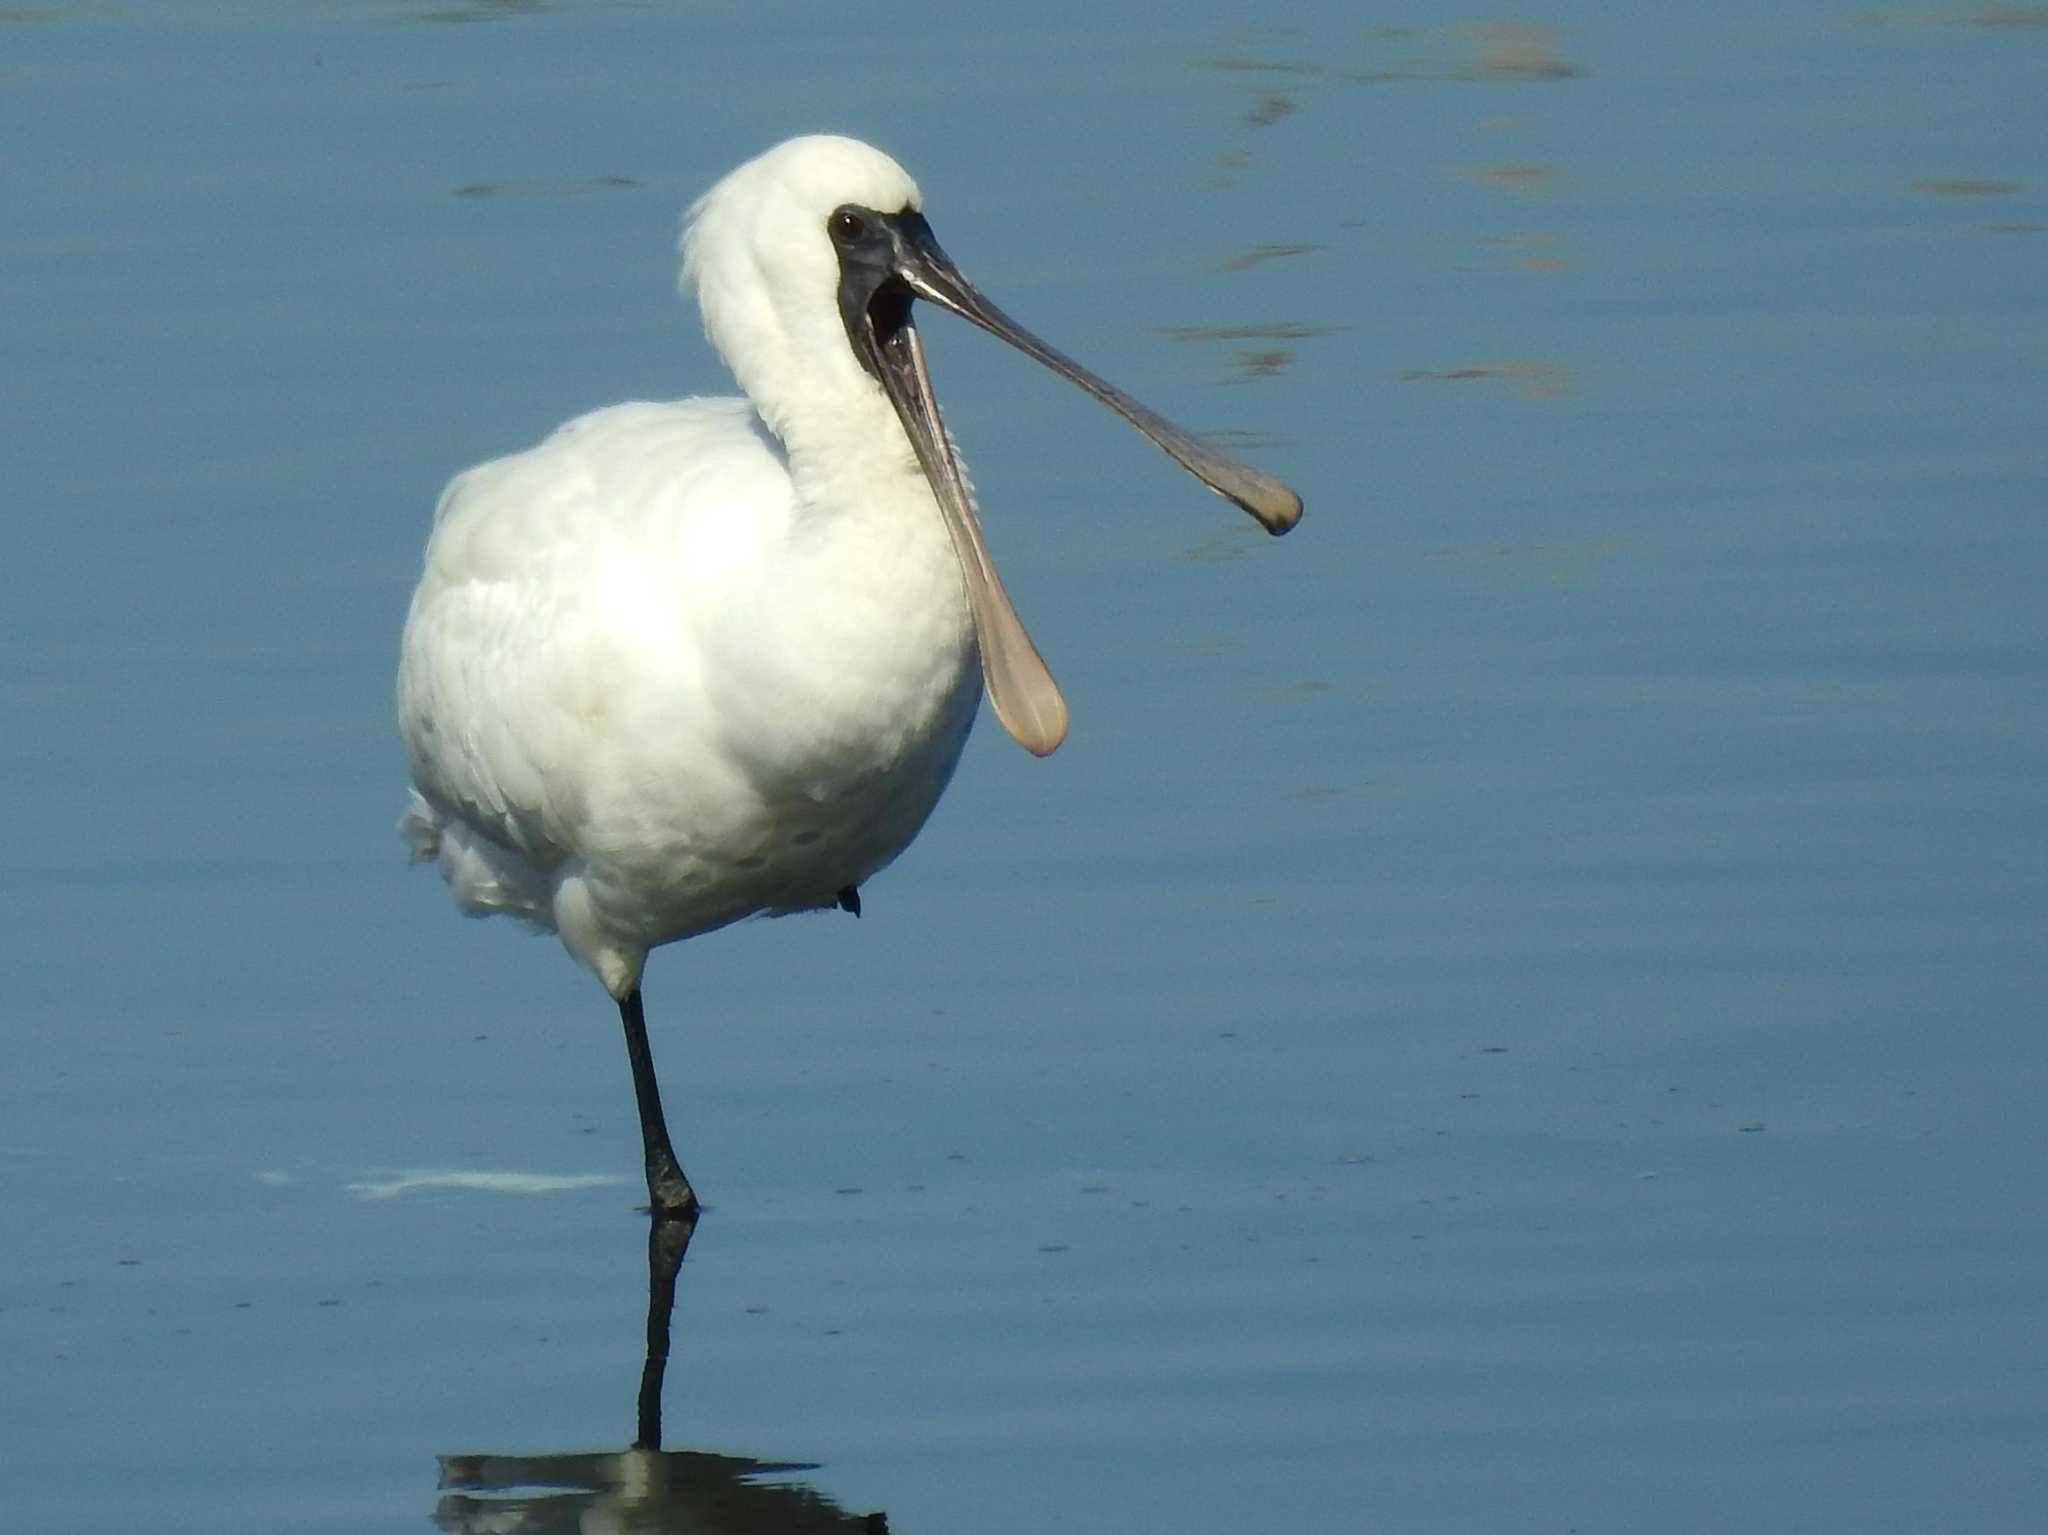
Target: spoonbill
(685,663)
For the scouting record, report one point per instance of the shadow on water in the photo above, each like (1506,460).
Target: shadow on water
(642,1490)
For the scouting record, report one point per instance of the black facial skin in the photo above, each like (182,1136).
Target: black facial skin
(874,249)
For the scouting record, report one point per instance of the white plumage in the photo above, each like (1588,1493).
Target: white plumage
(685,663)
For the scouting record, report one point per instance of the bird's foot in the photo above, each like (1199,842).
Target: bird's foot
(683,1212)
(669,1195)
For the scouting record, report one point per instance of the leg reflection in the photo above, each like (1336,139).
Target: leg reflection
(668,1238)
(645,1490)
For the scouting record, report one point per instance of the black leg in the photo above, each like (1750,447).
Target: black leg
(669,1194)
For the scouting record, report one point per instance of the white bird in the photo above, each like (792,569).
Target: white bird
(685,663)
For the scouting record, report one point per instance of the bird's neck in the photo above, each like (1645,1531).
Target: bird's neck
(847,452)
(862,500)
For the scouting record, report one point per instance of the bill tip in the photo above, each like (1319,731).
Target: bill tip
(1278,510)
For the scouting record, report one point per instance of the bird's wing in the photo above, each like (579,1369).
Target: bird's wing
(556,602)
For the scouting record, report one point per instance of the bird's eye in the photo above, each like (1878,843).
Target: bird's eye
(846,225)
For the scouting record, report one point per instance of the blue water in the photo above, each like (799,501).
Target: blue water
(1517,1007)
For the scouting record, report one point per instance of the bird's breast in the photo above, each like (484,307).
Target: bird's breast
(816,718)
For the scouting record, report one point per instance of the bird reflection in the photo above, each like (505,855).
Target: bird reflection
(636,1492)
(644,1490)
